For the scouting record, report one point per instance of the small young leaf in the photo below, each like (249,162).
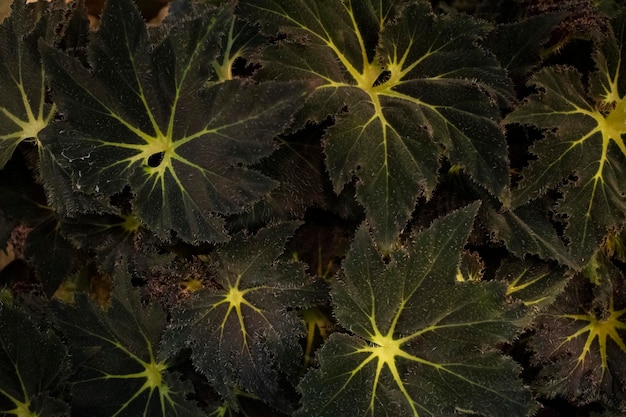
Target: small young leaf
(113,239)
(535,283)
(420,343)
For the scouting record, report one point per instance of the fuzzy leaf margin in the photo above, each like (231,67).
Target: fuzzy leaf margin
(583,152)
(415,87)
(419,342)
(245,334)
(158,118)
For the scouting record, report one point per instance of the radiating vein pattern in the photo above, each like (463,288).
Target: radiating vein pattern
(408,103)
(157,116)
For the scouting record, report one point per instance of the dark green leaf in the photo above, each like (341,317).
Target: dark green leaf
(144,117)
(298,167)
(534,283)
(416,87)
(34,367)
(245,335)
(527,230)
(23,108)
(110,238)
(583,144)
(518,45)
(51,255)
(421,344)
(580,342)
(115,355)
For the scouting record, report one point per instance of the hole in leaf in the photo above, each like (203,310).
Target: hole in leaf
(383,77)
(243,68)
(155,159)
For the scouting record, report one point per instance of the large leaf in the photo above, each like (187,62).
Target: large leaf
(416,87)
(580,343)
(421,344)
(23,108)
(115,356)
(114,240)
(34,367)
(145,116)
(245,334)
(583,144)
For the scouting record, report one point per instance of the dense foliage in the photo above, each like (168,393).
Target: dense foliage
(313,208)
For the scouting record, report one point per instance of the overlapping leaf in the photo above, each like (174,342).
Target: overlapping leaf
(580,342)
(535,283)
(23,108)
(115,356)
(420,340)
(34,367)
(527,230)
(145,116)
(583,144)
(416,86)
(245,335)
(46,250)
(112,239)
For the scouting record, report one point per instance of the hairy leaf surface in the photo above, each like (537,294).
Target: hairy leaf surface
(245,334)
(415,85)
(420,341)
(581,339)
(114,351)
(527,230)
(23,108)
(535,283)
(50,254)
(34,366)
(146,115)
(113,239)
(583,144)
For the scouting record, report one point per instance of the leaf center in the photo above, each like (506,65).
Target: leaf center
(154,374)
(235,296)
(388,348)
(616,120)
(131,223)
